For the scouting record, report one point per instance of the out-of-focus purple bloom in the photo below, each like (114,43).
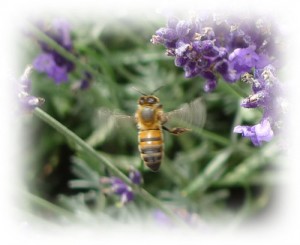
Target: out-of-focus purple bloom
(84,83)
(49,61)
(45,63)
(26,100)
(63,30)
(257,133)
(118,187)
(121,189)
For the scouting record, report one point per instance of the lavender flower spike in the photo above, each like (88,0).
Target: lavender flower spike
(46,63)
(225,47)
(50,61)
(121,189)
(231,49)
(118,187)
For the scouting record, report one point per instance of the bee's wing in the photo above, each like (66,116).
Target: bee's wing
(107,122)
(114,118)
(189,115)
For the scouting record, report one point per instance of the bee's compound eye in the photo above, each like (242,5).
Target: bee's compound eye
(151,100)
(142,101)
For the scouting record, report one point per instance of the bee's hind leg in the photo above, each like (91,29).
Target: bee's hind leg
(176,131)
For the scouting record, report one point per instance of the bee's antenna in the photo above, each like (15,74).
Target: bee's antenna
(139,91)
(157,89)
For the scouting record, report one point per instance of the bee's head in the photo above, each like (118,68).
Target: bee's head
(148,100)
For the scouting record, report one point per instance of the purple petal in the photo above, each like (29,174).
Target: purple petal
(222,67)
(180,61)
(263,131)
(58,74)
(243,59)
(210,85)
(127,197)
(44,63)
(167,34)
(136,177)
(181,48)
(191,70)
(257,133)
(182,28)
(119,189)
(246,131)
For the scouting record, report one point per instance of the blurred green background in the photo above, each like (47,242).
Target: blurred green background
(207,175)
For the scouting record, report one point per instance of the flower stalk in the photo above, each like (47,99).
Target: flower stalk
(115,171)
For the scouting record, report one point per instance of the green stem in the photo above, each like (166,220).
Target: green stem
(84,146)
(88,149)
(237,120)
(233,89)
(214,169)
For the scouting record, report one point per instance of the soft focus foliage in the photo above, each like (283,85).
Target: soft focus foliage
(207,175)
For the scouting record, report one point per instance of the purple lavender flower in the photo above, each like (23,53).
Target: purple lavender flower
(268,95)
(26,100)
(121,189)
(49,61)
(118,187)
(227,47)
(231,48)
(46,63)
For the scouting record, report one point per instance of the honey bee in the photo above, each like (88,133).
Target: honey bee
(151,120)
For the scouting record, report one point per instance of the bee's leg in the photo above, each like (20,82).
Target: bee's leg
(176,131)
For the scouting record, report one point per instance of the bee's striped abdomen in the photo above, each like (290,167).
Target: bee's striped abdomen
(151,147)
